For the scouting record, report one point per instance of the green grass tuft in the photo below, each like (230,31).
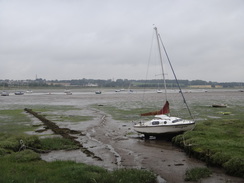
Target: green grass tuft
(235,166)
(13,143)
(196,174)
(126,175)
(57,144)
(26,155)
(14,121)
(25,167)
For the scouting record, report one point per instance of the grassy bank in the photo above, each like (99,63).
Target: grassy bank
(10,143)
(20,162)
(25,166)
(66,172)
(218,138)
(219,142)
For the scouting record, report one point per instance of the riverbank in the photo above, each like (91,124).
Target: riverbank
(217,142)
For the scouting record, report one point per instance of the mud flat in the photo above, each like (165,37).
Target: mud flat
(115,142)
(109,141)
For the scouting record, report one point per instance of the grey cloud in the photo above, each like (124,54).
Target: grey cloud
(67,39)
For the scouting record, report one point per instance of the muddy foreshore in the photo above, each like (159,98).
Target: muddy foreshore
(115,143)
(115,150)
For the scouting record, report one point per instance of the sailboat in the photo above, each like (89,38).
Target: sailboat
(159,90)
(163,123)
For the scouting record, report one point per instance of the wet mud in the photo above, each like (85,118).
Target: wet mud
(110,141)
(116,147)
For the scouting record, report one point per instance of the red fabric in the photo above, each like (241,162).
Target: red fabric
(164,110)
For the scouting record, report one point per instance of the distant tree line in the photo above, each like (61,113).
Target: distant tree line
(119,83)
(125,83)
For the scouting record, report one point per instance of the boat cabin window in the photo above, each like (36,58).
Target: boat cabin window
(176,120)
(155,122)
(165,122)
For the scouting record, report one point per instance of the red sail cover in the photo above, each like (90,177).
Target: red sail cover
(164,110)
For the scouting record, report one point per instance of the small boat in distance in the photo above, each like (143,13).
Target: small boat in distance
(219,105)
(19,93)
(159,91)
(67,92)
(4,93)
(98,92)
(163,123)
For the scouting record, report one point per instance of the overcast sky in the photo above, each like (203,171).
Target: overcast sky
(110,39)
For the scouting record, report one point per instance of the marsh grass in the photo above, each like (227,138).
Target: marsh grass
(219,142)
(61,113)
(121,113)
(14,121)
(66,172)
(217,138)
(10,143)
(24,165)
(207,112)
(57,143)
(196,174)
(68,118)
(48,108)
(219,135)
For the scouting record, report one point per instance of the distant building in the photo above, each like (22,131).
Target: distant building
(205,86)
(91,85)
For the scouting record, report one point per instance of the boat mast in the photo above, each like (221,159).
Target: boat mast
(161,61)
(159,37)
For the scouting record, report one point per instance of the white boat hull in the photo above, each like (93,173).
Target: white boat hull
(162,124)
(163,129)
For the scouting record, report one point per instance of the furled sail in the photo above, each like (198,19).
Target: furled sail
(164,110)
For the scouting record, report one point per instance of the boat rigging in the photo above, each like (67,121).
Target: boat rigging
(163,123)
